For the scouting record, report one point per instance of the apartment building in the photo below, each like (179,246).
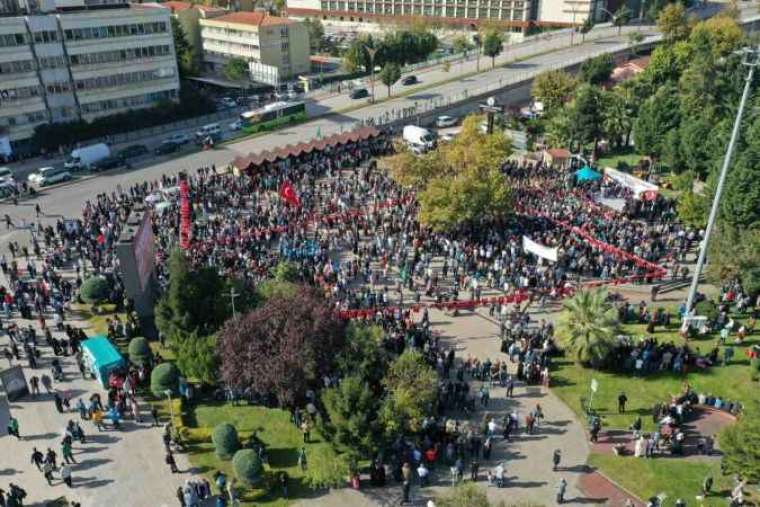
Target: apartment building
(518,15)
(81,59)
(189,16)
(277,49)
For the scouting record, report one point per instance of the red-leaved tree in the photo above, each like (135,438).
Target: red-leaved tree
(282,347)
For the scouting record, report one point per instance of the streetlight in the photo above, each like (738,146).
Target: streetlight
(371,52)
(751,59)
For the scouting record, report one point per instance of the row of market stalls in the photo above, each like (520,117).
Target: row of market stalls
(253,161)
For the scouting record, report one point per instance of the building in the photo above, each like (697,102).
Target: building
(517,15)
(81,59)
(277,49)
(189,16)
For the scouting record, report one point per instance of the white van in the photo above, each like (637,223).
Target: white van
(86,156)
(419,139)
(212,129)
(48,176)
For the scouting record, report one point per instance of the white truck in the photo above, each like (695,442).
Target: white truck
(82,158)
(418,139)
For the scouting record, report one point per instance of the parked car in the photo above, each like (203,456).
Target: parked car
(227,102)
(108,163)
(359,93)
(446,121)
(7,189)
(179,139)
(166,147)
(133,151)
(236,125)
(6,175)
(409,80)
(49,176)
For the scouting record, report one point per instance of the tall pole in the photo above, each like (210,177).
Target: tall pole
(752,61)
(572,32)
(371,52)
(232,295)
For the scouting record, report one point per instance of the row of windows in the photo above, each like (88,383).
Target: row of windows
(120,55)
(230,47)
(16,67)
(211,32)
(46,36)
(22,93)
(460,12)
(12,39)
(225,55)
(52,62)
(12,121)
(379,5)
(123,79)
(106,32)
(129,102)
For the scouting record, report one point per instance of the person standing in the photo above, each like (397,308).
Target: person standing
(47,471)
(474,469)
(66,451)
(622,400)
(302,459)
(37,459)
(66,474)
(561,488)
(171,462)
(13,427)
(556,458)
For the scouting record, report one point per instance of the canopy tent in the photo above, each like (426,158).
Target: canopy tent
(101,358)
(585,173)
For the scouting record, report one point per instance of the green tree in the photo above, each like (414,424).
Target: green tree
(316,33)
(732,253)
(461,44)
(587,326)
(248,467)
(740,445)
(236,69)
(412,387)
(617,118)
(364,355)
(693,208)
(493,44)
(187,61)
(197,358)
(95,290)
(585,116)
(351,410)
(225,440)
(622,17)
(286,271)
(634,39)
(139,351)
(672,22)
(554,88)
(585,28)
(740,205)
(657,116)
(164,377)
(597,70)
(389,75)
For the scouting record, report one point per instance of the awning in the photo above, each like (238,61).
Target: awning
(587,174)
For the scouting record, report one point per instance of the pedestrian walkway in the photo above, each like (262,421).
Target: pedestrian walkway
(598,488)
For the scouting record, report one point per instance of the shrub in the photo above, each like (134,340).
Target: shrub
(95,290)
(139,351)
(225,440)
(248,467)
(708,309)
(164,376)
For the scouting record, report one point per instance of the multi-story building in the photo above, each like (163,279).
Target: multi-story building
(276,48)
(189,16)
(81,59)
(517,15)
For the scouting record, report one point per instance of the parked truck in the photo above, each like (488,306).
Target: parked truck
(419,139)
(84,157)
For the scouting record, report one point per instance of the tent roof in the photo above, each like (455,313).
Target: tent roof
(586,173)
(253,159)
(102,351)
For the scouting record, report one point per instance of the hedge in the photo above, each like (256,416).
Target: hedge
(139,351)
(225,440)
(95,290)
(164,377)
(248,467)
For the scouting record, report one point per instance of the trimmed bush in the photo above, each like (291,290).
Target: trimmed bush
(95,290)
(708,309)
(247,465)
(225,440)
(164,376)
(139,351)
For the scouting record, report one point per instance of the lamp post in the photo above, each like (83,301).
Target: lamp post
(751,60)
(232,295)
(371,52)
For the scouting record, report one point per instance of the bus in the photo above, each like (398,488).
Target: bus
(272,116)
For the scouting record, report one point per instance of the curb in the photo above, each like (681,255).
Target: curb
(618,486)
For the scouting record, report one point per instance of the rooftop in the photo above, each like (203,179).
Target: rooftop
(253,18)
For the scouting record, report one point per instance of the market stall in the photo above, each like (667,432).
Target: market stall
(101,358)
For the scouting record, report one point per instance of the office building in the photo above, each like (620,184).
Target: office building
(81,59)
(277,49)
(189,16)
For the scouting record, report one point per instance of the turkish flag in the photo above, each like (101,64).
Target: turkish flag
(288,194)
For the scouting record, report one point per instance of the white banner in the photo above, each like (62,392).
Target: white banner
(638,185)
(540,250)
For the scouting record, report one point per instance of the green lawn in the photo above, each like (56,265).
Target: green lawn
(571,382)
(283,440)
(612,159)
(675,478)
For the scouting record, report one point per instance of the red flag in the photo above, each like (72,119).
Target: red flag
(288,194)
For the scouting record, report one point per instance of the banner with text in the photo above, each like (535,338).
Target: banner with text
(540,250)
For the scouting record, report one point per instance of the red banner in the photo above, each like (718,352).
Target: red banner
(185,215)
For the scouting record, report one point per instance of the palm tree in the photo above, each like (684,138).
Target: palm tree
(587,326)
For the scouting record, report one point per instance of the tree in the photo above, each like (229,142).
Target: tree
(316,33)
(597,70)
(187,61)
(634,39)
(618,121)
(248,467)
(622,17)
(586,27)
(692,209)
(236,69)
(286,271)
(412,387)
(95,290)
(194,300)
(657,116)
(364,355)
(672,22)
(740,205)
(732,253)
(225,440)
(351,410)
(389,75)
(197,358)
(587,326)
(740,444)
(554,88)
(280,348)
(585,116)
(164,377)
(461,44)
(493,43)
(139,351)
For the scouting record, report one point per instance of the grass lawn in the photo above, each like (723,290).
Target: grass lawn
(283,441)
(627,156)
(674,477)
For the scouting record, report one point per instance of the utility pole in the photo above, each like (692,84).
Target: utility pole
(751,60)
(232,295)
